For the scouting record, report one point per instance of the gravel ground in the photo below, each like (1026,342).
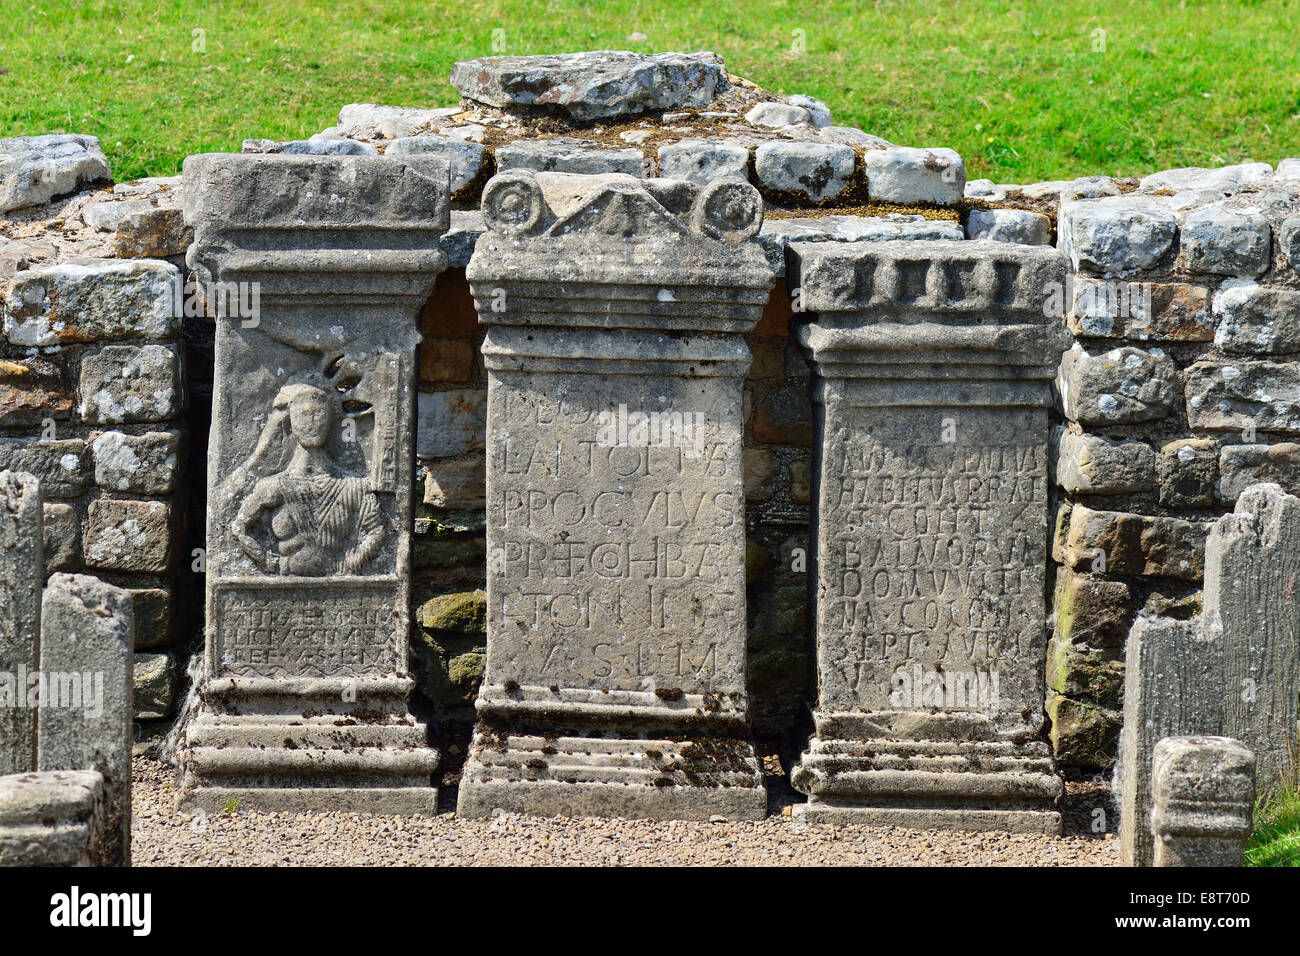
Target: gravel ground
(163,837)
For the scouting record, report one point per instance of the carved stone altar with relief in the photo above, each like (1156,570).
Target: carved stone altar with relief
(615,682)
(932,369)
(305,687)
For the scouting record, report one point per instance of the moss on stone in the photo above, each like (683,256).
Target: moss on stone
(464,612)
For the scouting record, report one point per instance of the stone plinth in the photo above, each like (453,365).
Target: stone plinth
(22,572)
(615,681)
(306,683)
(87,666)
(932,368)
(1203,801)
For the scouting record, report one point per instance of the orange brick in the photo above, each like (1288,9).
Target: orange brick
(446,361)
(450,309)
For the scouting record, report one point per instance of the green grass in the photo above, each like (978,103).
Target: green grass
(1015,87)
(1276,840)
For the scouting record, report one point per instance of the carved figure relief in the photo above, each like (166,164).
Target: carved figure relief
(307,495)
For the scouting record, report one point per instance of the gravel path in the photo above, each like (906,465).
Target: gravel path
(163,837)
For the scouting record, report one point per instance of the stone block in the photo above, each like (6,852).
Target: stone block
(450,423)
(701,161)
(87,656)
(62,538)
(53,818)
(91,300)
(1009,225)
(1226,242)
(36,169)
(1090,464)
(129,536)
(1117,387)
(1121,544)
(566,155)
(31,391)
(1241,466)
(128,384)
(59,465)
(904,175)
(22,572)
(1141,311)
(592,86)
(146,464)
(1254,320)
(1116,235)
(807,172)
(1188,471)
(1243,396)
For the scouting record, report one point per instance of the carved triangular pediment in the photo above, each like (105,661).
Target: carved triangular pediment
(622,211)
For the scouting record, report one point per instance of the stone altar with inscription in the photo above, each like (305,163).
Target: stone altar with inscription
(615,681)
(932,365)
(305,689)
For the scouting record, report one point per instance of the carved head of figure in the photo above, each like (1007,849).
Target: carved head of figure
(311,413)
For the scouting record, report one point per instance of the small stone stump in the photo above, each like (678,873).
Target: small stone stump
(1204,801)
(932,368)
(615,682)
(306,679)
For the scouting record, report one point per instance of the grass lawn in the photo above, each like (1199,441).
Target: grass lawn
(1025,91)
(1276,840)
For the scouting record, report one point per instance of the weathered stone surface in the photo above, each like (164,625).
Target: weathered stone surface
(852,136)
(155,686)
(87,300)
(469,162)
(1116,235)
(1121,386)
(145,464)
(1240,395)
(934,391)
(1252,561)
(904,175)
(128,535)
(464,612)
(1090,464)
(1188,471)
(1009,225)
(1241,466)
(54,818)
(630,300)
(784,417)
(1225,179)
(777,115)
(814,172)
(1171,687)
(32,390)
(455,482)
(1288,169)
(701,161)
(1082,734)
(394,122)
(22,571)
(105,216)
(1226,242)
(62,538)
(450,423)
(593,85)
(1142,311)
(153,617)
(819,112)
(129,383)
(778,234)
(1289,237)
(310,464)
(152,234)
(87,640)
(35,169)
(1203,801)
(1256,320)
(328,147)
(564,155)
(1119,543)
(60,465)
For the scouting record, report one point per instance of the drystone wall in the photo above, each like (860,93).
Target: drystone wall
(1176,391)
